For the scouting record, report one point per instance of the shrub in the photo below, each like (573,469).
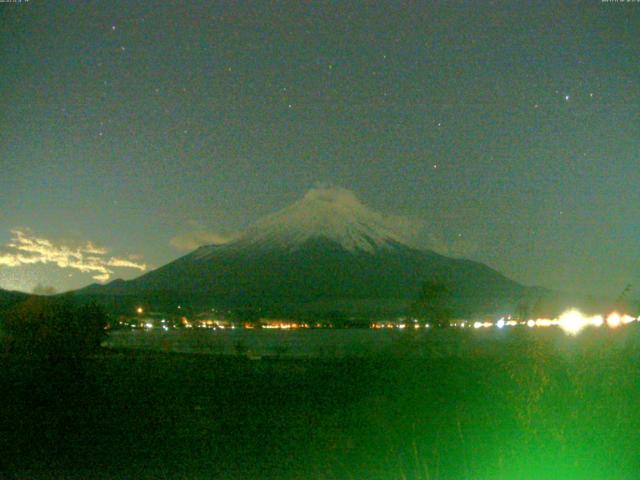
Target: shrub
(44,327)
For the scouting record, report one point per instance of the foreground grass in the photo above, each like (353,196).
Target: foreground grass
(528,409)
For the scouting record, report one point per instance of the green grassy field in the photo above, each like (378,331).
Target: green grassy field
(527,410)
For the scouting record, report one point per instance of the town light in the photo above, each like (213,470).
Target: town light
(572,322)
(614,320)
(626,319)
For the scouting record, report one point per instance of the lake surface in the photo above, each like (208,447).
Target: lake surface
(329,343)
(345,343)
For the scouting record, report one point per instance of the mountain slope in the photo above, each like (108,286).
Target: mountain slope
(334,214)
(324,251)
(10,298)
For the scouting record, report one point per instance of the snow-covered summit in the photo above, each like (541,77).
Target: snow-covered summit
(329,213)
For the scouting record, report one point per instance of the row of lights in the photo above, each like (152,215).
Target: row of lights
(571,322)
(401,326)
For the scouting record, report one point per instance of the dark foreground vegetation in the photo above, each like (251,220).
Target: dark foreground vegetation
(529,410)
(52,329)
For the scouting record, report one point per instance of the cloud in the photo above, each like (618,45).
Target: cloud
(419,234)
(197,238)
(408,229)
(459,247)
(122,263)
(103,277)
(28,249)
(8,260)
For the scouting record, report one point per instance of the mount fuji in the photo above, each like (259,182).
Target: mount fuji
(326,252)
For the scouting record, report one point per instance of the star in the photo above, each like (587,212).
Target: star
(113,27)
(566,98)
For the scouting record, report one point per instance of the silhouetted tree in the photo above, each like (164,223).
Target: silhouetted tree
(336,318)
(434,303)
(251,315)
(624,303)
(523,310)
(542,306)
(44,327)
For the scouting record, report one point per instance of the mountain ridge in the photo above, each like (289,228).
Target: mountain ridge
(325,249)
(330,212)
(9,298)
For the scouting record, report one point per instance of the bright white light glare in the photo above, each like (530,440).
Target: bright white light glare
(614,320)
(572,322)
(626,319)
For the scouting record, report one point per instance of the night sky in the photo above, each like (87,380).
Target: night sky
(505,132)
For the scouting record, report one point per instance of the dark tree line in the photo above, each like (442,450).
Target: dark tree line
(45,327)
(433,304)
